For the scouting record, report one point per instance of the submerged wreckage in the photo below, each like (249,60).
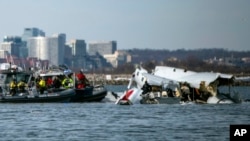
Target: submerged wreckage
(168,85)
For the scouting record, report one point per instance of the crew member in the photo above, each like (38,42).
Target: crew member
(56,82)
(67,82)
(80,76)
(82,81)
(13,87)
(42,85)
(21,86)
(49,82)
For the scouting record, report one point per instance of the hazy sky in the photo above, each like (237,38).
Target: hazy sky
(161,24)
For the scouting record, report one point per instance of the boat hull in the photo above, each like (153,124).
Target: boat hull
(89,94)
(58,96)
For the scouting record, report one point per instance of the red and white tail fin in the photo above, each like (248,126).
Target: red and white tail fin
(132,96)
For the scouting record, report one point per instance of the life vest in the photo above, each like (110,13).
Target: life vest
(42,83)
(80,76)
(21,84)
(13,85)
(67,82)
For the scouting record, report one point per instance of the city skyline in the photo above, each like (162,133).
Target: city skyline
(162,24)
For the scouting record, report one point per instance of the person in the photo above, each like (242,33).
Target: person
(49,82)
(56,83)
(82,81)
(42,85)
(80,76)
(67,82)
(146,88)
(37,80)
(21,86)
(13,87)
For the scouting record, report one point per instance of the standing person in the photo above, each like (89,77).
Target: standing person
(80,76)
(82,81)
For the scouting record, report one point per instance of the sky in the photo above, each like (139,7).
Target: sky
(142,24)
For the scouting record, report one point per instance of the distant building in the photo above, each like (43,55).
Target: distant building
(3,54)
(102,47)
(12,44)
(48,48)
(118,58)
(32,32)
(68,57)
(29,33)
(78,47)
(11,48)
(79,53)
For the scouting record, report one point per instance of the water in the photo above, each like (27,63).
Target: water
(107,121)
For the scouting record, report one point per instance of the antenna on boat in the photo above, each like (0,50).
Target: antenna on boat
(10,66)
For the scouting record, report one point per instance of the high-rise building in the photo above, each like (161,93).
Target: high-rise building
(78,51)
(102,47)
(48,48)
(29,33)
(78,47)
(32,32)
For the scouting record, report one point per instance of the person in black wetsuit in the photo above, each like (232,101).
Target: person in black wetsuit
(146,88)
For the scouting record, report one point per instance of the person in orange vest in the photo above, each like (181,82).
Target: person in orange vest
(49,82)
(81,80)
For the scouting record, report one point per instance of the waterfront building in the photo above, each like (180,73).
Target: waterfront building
(102,47)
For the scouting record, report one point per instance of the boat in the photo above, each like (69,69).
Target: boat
(86,94)
(90,94)
(30,93)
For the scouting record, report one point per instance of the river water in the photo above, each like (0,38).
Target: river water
(106,121)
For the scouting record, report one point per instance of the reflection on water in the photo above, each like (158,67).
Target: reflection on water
(107,121)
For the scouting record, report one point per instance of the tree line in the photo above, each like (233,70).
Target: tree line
(187,59)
